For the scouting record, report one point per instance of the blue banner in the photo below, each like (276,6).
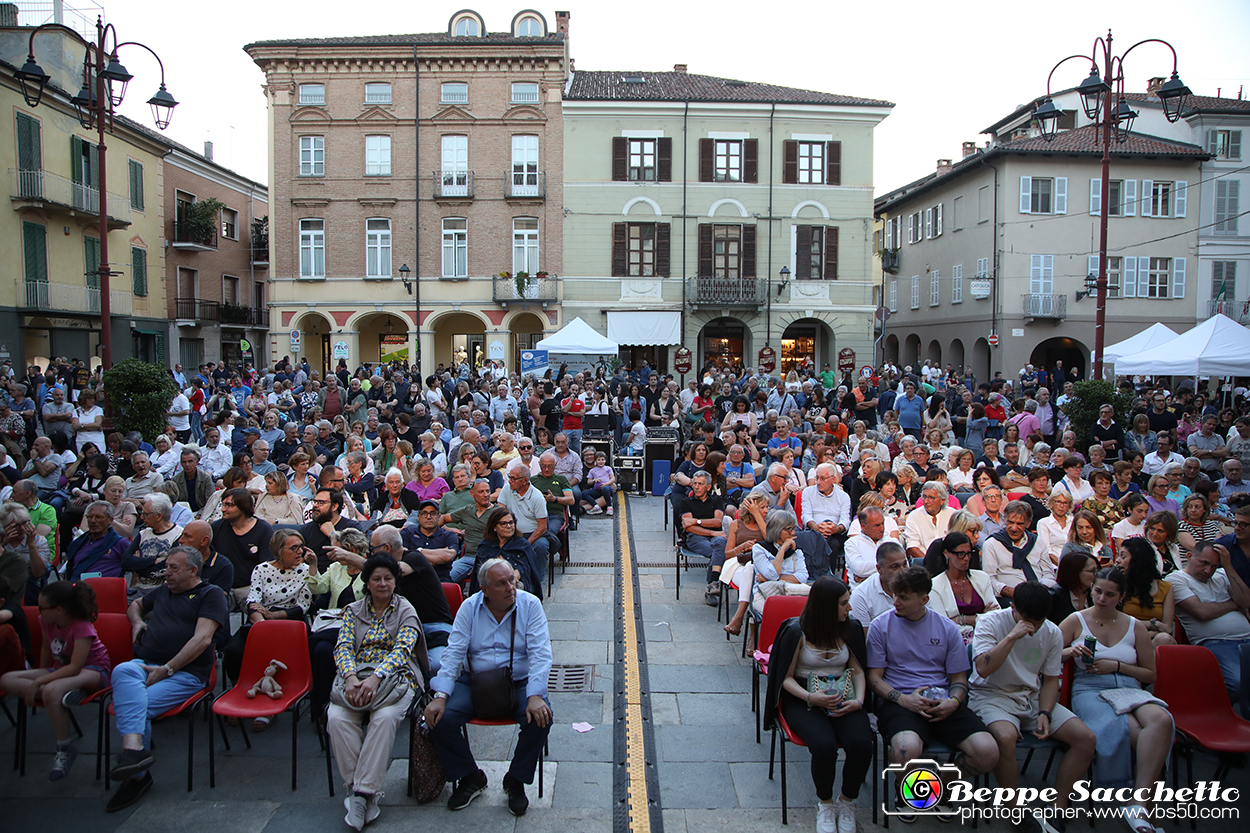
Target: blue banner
(533,361)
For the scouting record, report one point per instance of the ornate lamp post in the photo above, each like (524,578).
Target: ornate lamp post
(1103,103)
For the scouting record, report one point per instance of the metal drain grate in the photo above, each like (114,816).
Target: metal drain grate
(612,564)
(571,678)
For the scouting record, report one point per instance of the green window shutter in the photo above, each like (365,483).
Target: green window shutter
(34,243)
(91,261)
(136,185)
(139,270)
(93,158)
(75,153)
(160,348)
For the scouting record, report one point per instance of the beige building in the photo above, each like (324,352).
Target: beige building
(436,152)
(686,195)
(1001,241)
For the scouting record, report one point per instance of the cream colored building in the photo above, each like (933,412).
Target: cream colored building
(685,197)
(440,152)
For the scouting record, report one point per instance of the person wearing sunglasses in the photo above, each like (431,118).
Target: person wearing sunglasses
(959,592)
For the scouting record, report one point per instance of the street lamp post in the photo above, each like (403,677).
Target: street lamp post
(1103,103)
(405,275)
(103,88)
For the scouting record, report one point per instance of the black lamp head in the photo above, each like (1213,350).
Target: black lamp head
(117,77)
(1091,90)
(32,79)
(163,105)
(1047,115)
(1173,95)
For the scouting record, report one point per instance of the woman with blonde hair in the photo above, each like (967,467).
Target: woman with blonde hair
(740,538)
(279,505)
(124,512)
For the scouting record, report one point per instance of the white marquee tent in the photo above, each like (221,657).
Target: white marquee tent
(1218,346)
(1147,339)
(578,337)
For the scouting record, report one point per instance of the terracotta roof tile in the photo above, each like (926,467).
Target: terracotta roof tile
(1200,103)
(682,86)
(1086,140)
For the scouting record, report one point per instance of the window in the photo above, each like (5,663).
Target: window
(914,231)
(957,284)
(1041,274)
(811,163)
(728,165)
(915,292)
(379,93)
(1115,266)
(35,261)
(312,156)
(642,160)
(727,251)
(1224,144)
(1160,199)
(455,92)
(139,270)
(1227,206)
(1224,280)
(525,245)
(378,248)
(1118,196)
(894,232)
(136,184)
(893,296)
(641,249)
(230,224)
(377,156)
(312,248)
(529,27)
(1164,199)
(455,247)
(983,268)
(1158,277)
(1040,195)
(957,213)
(935,297)
(29,157)
(1154,277)
(91,268)
(312,93)
(466,27)
(524,92)
(525,166)
(984,204)
(229,289)
(455,162)
(816,252)
(933,222)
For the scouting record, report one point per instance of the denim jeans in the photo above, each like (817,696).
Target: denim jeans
(453,746)
(136,702)
(1228,653)
(575,440)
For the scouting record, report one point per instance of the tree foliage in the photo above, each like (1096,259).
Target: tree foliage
(1085,400)
(140,394)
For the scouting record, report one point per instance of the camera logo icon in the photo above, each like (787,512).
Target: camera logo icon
(919,786)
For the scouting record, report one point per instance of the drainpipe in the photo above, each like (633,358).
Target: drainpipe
(685,178)
(994,296)
(768,284)
(416,272)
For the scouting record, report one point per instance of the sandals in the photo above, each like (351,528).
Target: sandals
(732,630)
(1135,816)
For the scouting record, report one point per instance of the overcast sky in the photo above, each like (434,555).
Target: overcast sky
(951,69)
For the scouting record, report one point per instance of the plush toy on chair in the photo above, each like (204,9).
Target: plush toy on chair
(268,683)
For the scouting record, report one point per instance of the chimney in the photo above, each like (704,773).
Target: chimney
(8,14)
(970,148)
(208,151)
(1153,84)
(943,166)
(562,23)
(680,67)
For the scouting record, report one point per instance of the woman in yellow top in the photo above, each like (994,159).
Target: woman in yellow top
(1148,597)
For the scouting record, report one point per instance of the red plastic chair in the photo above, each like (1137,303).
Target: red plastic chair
(36,631)
(286,641)
(455,596)
(110,594)
(204,696)
(509,722)
(1190,682)
(788,736)
(777,609)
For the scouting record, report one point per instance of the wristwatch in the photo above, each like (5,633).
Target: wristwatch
(169,669)
(439,695)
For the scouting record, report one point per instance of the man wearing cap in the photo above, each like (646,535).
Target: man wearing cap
(439,546)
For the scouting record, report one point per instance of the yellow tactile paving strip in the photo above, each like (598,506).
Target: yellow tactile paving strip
(635,751)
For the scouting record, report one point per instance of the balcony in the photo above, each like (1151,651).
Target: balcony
(66,297)
(536,290)
(52,192)
(190,238)
(453,185)
(1044,305)
(889,261)
(519,185)
(191,312)
(1239,311)
(726,292)
(260,255)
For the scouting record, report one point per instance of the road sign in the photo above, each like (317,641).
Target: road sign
(883,313)
(993,339)
(682,360)
(866,371)
(295,341)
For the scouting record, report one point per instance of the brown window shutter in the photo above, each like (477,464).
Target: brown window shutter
(750,160)
(833,163)
(707,160)
(663,236)
(831,253)
(748,252)
(620,159)
(802,251)
(664,159)
(620,257)
(790,161)
(705,247)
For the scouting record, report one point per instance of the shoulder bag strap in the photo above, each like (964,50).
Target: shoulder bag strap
(512,639)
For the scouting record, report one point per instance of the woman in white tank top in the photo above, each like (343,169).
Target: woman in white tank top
(1112,650)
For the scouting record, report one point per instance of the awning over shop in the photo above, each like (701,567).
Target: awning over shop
(642,328)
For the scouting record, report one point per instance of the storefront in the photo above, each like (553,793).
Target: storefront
(723,342)
(798,345)
(645,335)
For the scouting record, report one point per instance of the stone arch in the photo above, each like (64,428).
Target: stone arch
(716,206)
(629,206)
(891,349)
(819,206)
(934,353)
(911,352)
(957,356)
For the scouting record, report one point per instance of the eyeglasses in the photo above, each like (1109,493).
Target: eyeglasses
(961,553)
(506,523)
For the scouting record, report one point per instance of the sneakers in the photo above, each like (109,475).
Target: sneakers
(131,790)
(905,818)
(466,790)
(846,816)
(609,509)
(355,817)
(826,818)
(131,762)
(372,810)
(61,763)
(711,595)
(73,697)
(596,509)
(518,802)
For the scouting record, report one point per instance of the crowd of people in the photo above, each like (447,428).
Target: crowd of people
(924,505)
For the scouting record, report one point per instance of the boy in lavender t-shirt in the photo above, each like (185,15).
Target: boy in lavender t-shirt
(918,668)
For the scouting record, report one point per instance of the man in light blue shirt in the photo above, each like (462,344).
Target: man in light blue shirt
(910,411)
(501,404)
(500,627)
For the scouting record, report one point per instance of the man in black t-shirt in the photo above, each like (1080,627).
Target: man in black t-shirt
(173,628)
(241,537)
(549,410)
(327,517)
(700,515)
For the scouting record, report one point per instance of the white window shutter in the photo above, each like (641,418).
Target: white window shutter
(1095,197)
(928,223)
(1093,265)
(1129,193)
(1026,195)
(937,219)
(1178,277)
(1147,193)
(1213,142)
(1129,271)
(1035,273)
(1234,144)
(889,233)
(1180,199)
(1061,195)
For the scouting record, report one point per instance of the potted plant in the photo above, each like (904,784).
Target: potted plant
(522,279)
(200,221)
(889,258)
(260,239)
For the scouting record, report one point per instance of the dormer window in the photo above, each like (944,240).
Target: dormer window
(467,24)
(529,24)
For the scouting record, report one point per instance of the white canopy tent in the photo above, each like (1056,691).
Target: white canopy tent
(1148,339)
(578,337)
(1218,346)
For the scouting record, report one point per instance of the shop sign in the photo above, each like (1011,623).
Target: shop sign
(682,360)
(846,360)
(768,359)
(339,351)
(496,350)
